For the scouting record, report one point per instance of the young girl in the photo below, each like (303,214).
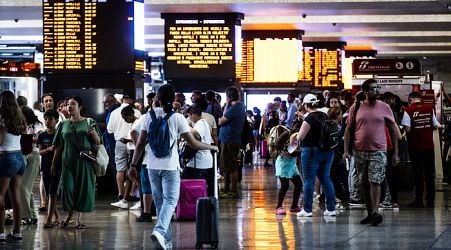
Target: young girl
(286,170)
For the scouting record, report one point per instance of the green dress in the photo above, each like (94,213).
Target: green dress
(77,175)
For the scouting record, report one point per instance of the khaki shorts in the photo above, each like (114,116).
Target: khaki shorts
(228,157)
(371,165)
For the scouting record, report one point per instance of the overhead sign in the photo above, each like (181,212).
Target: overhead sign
(389,81)
(386,67)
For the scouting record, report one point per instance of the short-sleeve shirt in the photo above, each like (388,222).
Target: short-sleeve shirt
(203,158)
(370,127)
(177,126)
(230,132)
(137,127)
(45,139)
(314,119)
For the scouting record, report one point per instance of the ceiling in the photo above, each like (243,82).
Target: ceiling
(415,28)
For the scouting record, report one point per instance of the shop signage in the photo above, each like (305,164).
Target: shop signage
(386,67)
(390,81)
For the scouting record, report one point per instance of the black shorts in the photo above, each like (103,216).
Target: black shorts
(51,183)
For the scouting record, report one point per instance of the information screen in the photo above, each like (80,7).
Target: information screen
(88,35)
(201,46)
(322,67)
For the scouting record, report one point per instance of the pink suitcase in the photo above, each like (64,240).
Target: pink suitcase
(190,191)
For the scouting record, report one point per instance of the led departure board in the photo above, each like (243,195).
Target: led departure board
(201,45)
(88,35)
(322,64)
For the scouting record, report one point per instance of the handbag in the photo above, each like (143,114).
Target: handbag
(99,157)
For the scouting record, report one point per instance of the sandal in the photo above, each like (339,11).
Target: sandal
(81,226)
(50,225)
(63,224)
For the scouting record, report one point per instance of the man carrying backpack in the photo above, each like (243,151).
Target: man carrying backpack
(161,127)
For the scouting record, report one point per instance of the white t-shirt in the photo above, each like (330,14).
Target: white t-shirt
(177,126)
(118,125)
(137,127)
(9,142)
(35,131)
(203,158)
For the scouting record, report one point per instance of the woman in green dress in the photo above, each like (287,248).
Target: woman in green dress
(77,173)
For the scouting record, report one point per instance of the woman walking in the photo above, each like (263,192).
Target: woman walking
(77,172)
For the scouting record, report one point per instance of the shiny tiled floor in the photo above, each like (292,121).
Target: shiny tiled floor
(250,223)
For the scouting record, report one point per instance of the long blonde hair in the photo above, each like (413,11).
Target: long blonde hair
(11,116)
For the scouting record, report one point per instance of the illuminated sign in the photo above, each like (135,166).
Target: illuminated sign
(386,67)
(322,67)
(8,68)
(201,45)
(82,36)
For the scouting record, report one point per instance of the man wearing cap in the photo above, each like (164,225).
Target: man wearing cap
(370,146)
(121,130)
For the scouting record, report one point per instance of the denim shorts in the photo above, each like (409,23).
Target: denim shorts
(145,182)
(13,163)
(371,165)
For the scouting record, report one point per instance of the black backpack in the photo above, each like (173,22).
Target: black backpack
(330,133)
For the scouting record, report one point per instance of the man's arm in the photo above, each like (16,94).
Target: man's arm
(395,135)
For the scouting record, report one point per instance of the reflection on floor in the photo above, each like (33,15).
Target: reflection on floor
(251,223)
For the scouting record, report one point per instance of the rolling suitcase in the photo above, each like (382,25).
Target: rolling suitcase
(190,191)
(207,210)
(264,149)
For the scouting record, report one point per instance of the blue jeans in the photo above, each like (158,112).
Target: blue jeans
(165,191)
(316,162)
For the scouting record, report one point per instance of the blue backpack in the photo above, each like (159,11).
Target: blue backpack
(159,136)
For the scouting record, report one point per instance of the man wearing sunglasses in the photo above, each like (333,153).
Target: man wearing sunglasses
(370,146)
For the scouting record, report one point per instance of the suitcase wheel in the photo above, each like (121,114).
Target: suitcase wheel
(198,245)
(214,246)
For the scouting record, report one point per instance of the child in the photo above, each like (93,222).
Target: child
(286,170)
(51,180)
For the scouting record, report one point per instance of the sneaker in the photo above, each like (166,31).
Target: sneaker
(281,211)
(14,237)
(169,245)
(158,239)
(367,220)
(137,206)
(295,210)
(356,203)
(386,205)
(144,218)
(2,238)
(377,219)
(341,206)
(303,213)
(330,213)
(120,204)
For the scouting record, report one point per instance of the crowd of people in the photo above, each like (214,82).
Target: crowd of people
(362,169)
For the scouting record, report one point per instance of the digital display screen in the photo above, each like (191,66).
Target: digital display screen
(200,46)
(322,67)
(89,35)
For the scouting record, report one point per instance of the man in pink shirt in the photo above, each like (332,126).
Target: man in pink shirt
(370,146)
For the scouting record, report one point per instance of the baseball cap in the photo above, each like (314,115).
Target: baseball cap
(310,98)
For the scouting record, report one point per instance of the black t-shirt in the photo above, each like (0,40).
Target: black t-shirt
(314,134)
(45,139)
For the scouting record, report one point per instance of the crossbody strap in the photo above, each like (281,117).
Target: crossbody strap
(77,140)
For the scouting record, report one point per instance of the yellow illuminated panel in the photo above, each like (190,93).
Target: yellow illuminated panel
(322,67)
(199,47)
(247,67)
(70,33)
(276,60)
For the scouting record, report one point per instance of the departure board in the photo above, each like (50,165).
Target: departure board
(322,67)
(88,35)
(201,45)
